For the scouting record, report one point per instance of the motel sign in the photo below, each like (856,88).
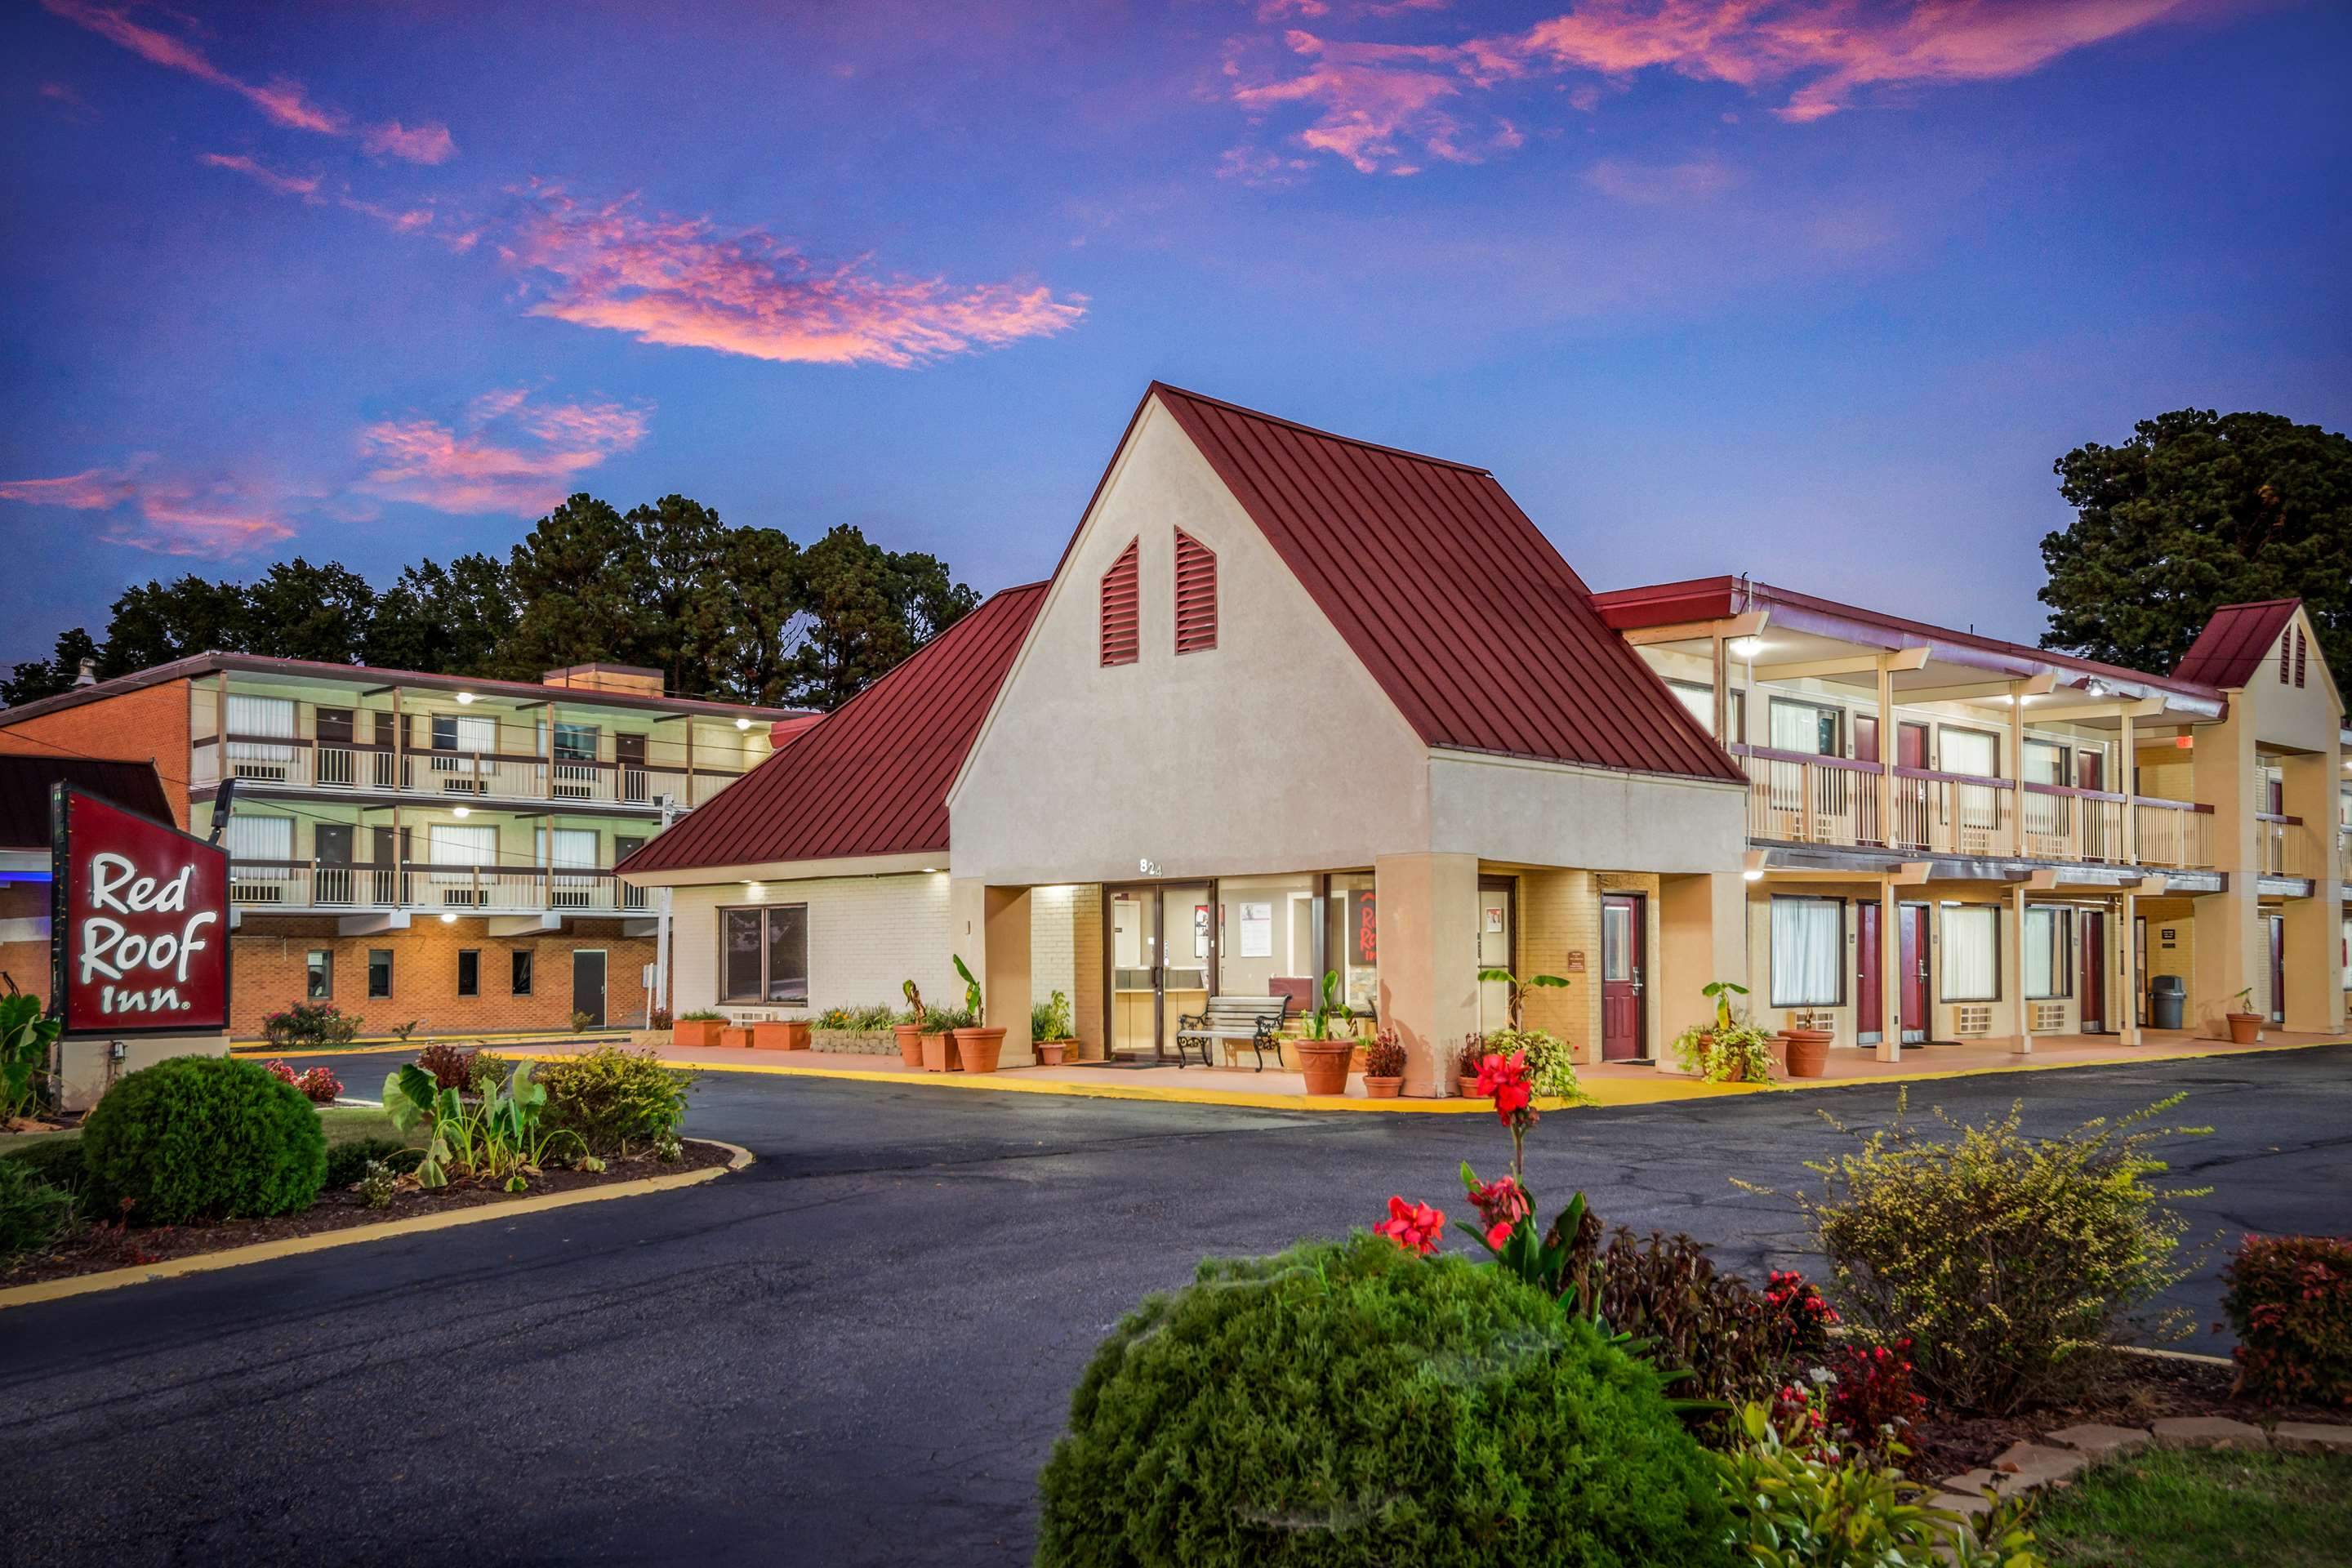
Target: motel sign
(139,922)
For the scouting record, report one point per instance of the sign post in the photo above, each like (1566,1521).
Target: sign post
(138,940)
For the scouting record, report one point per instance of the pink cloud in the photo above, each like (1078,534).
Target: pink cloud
(684,282)
(282,99)
(304,186)
(1382,107)
(425,143)
(467,470)
(167,515)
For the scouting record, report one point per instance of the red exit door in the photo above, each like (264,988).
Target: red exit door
(1622,970)
(1911,984)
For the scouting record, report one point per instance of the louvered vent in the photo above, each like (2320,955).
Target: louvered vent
(2286,649)
(1119,635)
(2302,654)
(2049,1017)
(1196,594)
(1973,1020)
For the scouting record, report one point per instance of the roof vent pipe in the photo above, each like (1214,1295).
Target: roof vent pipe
(88,674)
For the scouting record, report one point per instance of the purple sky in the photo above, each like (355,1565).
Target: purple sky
(1811,288)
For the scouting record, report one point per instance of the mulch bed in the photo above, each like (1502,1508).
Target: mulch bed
(92,1248)
(2133,1391)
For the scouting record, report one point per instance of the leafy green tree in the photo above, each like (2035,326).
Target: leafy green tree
(159,623)
(36,679)
(301,611)
(2200,509)
(443,620)
(867,608)
(685,623)
(762,579)
(580,579)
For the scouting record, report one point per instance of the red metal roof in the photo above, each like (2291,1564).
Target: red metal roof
(1720,598)
(1458,605)
(2235,642)
(872,777)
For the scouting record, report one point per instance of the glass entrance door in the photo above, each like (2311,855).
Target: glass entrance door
(1163,947)
(1495,949)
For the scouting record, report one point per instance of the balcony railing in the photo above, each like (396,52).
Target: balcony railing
(2283,846)
(310,885)
(368,768)
(1797,798)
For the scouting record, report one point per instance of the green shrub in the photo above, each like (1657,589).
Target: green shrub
(56,1160)
(2290,1301)
(615,1100)
(868,1020)
(202,1138)
(451,1065)
(347,1163)
(1351,1402)
(312,1025)
(25,1036)
(2010,1262)
(1550,1072)
(1794,1505)
(32,1212)
(1050,1019)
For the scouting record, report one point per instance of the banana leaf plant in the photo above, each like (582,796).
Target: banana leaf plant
(1515,994)
(497,1138)
(971,990)
(24,1040)
(1721,992)
(1319,1022)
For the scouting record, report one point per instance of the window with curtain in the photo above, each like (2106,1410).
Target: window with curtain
(1971,939)
(1808,953)
(259,837)
(1806,727)
(1699,700)
(2046,763)
(575,850)
(1975,752)
(465,733)
(460,843)
(2049,953)
(261,716)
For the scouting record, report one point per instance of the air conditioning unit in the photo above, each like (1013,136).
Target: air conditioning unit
(2049,1017)
(1974,1019)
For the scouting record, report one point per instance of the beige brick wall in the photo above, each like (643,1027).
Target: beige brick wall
(1560,913)
(867,934)
(1086,970)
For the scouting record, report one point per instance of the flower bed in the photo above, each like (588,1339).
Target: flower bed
(95,1249)
(855,1041)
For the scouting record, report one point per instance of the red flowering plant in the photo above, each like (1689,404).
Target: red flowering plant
(318,1086)
(1871,1401)
(1413,1226)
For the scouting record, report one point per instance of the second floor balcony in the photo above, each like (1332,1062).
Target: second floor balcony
(308,886)
(1801,798)
(377,767)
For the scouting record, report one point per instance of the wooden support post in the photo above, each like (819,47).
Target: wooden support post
(2128,964)
(1892,983)
(2127,768)
(2017,970)
(2016,767)
(1887,752)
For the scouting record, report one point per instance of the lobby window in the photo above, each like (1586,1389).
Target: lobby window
(469,972)
(318,974)
(1196,594)
(764,953)
(1971,938)
(1121,634)
(1808,952)
(518,976)
(1355,948)
(379,972)
(2049,951)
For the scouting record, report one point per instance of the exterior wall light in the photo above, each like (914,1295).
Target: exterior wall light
(448,919)
(1752,876)
(463,697)
(461,811)
(742,724)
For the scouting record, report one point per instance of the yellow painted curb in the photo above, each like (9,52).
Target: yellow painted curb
(1804,1086)
(263,1251)
(1606,1092)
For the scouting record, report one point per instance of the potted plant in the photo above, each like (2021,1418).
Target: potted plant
(697,1030)
(2245,1028)
(1808,1052)
(1515,991)
(1323,1058)
(939,1040)
(1466,1065)
(780,1034)
(976,1043)
(1049,1030)
(735,1036)
(910,1030)
(1384,1066)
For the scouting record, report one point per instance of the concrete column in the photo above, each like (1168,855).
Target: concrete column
(988,928)
(2017,690)
(2126,784)
(1702,937)
(2229,938)
(1892,982)
(2015,978)
(2126,993)
(2313,957)
(1429,961)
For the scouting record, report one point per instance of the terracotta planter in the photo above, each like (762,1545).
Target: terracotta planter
(736,1037)
(695,1034)
(786,1035)
(911,1043)
(1379,1088)
(1050,1052)
(2245,1028)
(939,1054)
(1809,1052)
(1325,1064)
(979,1048)
(1468,1084)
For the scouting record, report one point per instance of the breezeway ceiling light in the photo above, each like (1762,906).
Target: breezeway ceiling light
(742,724)
(461,811)
(448,919)
(1746,647)
(1753,876)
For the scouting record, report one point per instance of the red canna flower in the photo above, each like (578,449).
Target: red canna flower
(1413,1226)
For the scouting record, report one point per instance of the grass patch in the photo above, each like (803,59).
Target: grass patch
(2200,1508)
(341,1124)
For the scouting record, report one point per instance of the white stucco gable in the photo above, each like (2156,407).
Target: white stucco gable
(1273,750)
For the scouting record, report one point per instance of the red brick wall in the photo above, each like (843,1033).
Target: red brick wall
(25,959)
(150,724)
(268,955)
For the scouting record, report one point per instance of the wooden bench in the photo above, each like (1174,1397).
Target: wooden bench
(1254,1022)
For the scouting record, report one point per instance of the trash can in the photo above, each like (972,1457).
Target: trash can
(2167,997)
